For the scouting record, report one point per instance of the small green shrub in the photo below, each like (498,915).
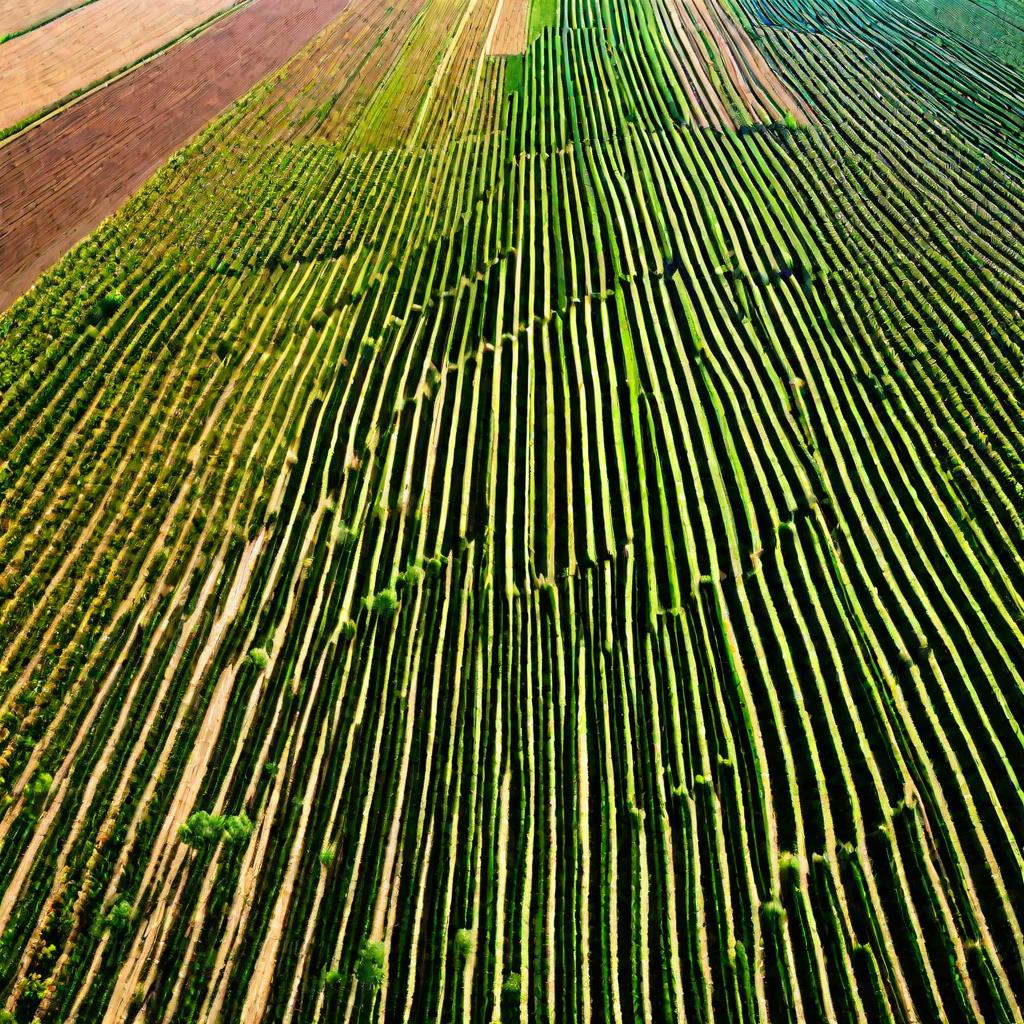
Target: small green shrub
(463,942)
(120,915)
(203,828)
(200,829)
(385,603)
(259,657)
(237,829)
(327,856)
(332,978)
(36,790)
(370,965)
(414,575)
(107,306)
(511,989)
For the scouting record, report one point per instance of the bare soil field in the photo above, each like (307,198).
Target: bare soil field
(509,36)
(40,68)
(62,177)
(19,15)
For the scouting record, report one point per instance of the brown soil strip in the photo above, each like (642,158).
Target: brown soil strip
(43,67)
(63,176)
(510,29)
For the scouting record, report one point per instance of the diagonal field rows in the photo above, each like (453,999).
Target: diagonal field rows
(570,501)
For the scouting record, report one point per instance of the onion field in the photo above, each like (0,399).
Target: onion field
(522,520)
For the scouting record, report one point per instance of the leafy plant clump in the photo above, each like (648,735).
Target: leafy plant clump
(370,965)
(107,306)
(36,790)
(464,942)
(259,657)
(120,915)
(511,989)
(202,829)
(385,603)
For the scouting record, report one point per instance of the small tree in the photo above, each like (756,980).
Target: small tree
(259,657)
(237,829)
(200,829)
(203,828)
(120,915)
(385,603)
(370,965)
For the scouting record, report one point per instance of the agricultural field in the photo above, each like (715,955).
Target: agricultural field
(67,54)
(519,519)
(63,175)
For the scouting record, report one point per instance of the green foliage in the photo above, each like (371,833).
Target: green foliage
(36,790)
(237,829)
(385,603)
(327,856)
(202,829)
(511,993)
(370,965)
(413,575)
(463,942)
(271,768)
(332,978)
(107,306)
(120,915)
(789,864)
(259,657)
(34,988)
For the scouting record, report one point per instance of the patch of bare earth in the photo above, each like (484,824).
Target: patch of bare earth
(510,27)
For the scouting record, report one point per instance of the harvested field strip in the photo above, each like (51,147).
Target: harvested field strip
(510,28)
(87,46)
(63,176)
(572,512)
(19,16)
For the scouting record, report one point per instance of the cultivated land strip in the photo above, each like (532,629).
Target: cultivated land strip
(87,45)
(64,175)
(560,479)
